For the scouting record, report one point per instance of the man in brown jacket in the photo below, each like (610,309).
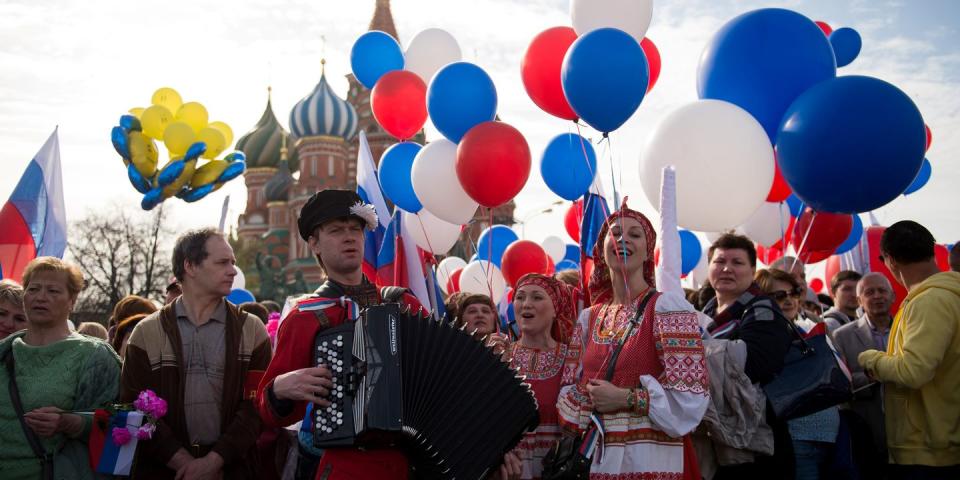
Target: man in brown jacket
(205,358)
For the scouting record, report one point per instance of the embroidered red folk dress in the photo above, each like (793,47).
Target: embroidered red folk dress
(664,356)
(546,371)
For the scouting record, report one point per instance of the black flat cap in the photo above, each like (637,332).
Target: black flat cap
(332,204)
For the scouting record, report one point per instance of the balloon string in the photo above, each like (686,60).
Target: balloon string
(586,156)
(489,256)
(783,228)
(803,242)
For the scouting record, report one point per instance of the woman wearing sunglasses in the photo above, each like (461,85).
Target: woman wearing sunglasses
(815,435)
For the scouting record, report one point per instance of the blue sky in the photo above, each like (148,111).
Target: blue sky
(81,65)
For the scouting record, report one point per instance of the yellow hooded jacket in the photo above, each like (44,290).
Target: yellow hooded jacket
(921,375)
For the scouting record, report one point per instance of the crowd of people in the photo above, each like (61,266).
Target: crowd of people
(645,384)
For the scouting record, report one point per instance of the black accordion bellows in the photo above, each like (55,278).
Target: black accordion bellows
(424,386)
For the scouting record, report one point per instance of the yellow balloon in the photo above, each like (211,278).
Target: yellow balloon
(178,137)
(140,153)
(136,111)
(167,97)
(214,140)
(154,120)
(225,130)
(193,114)
(208,173)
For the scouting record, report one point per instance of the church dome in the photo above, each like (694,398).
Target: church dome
(323,113)
(277,189)
(263,143)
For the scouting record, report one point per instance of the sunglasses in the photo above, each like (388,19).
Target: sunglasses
(781,295)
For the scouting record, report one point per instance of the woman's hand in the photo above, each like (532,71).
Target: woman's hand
(48,421)
(607,397)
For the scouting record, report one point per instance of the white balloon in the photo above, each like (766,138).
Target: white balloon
(429,51)
(434,177)
(555,247)
(446,268)
(429,232)
(631,16)
(713,236)
(239,281)
(767,225)
(724,164)
(483,277)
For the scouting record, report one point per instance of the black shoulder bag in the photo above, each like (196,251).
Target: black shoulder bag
(45,458)
(565,461)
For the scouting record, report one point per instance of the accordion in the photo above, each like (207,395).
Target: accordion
(405,380)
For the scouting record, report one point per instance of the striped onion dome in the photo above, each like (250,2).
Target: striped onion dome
(323,113)
(263,144)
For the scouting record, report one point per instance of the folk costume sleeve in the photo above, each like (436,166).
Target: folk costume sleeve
(294,343)
(678,397)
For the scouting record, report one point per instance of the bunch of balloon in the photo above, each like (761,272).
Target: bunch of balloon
(188,136)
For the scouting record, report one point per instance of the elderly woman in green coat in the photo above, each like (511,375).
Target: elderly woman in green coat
(55,371)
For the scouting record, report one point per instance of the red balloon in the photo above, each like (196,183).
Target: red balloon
(523,257)
(493,163)
(780,190)
(827,29)
(929,136)
(453,283)
(653,61)
(540,71)
(876,265)
(819,234)
(942,256)
(832,267)
(816,285)
(572,220)
(399,103)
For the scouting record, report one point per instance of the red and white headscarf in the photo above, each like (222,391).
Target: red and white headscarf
(601,285)
(562,296)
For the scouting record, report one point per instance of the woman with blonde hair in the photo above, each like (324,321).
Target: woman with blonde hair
(643,380)
(50,371)
(12,318)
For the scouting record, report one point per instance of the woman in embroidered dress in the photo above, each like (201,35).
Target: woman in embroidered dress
(545,354)
(659,390)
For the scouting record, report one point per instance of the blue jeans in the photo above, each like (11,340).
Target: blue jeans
(812,458)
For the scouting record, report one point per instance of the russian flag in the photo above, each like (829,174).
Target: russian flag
(106,456)
(595,213)
(368,187)
(400,263)
(34,220)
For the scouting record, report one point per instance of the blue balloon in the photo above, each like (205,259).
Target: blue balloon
(853,239)
(395,177)
(573,253)
(170,173)
(851,144)
(152,198)
(118,136)
(234,170)
(194,194)
(566,265)
(762,61)
(604,77)
(239,295)
(795,204)
(493,242)
(565,168)
(846,45)
(690,251)
(137,180)
(461,95)
(129,122)
(923,176)
(374,54)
